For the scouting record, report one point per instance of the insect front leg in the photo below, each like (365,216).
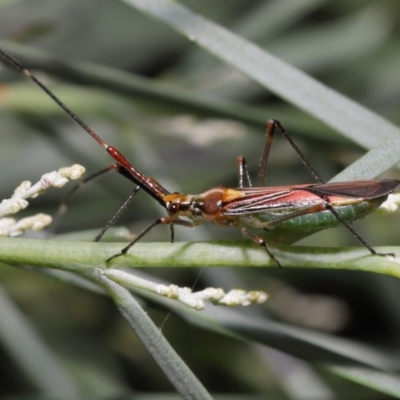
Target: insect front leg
(160,221)
(117,214)
(67,199)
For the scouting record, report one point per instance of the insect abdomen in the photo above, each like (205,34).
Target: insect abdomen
(315,221)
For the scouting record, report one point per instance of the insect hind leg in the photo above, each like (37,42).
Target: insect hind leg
(355,233)
(272,125)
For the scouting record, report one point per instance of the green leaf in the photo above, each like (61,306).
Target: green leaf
(84,257)
(344,115)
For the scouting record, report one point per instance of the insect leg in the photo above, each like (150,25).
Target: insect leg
(159,221)
(271,126)
(64,205)
(261,242)
(117,214)
(269,138)
(355,233)
(160,188)
(322,207)
(243,172)
(67,199)
(172,231)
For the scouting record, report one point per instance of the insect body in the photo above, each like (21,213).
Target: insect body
(309,207)
(283,206)
(278,206)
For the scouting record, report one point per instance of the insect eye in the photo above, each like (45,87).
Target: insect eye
(173,208)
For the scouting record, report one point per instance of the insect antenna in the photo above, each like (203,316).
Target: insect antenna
(153,188)
(122,165)
(33,78)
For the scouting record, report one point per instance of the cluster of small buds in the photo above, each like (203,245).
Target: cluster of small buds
(10,227)
(185,295)
(391,204)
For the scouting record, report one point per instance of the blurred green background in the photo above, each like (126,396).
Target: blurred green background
(191,146)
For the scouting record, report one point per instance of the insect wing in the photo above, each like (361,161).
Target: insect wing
(256,200)
(368,189)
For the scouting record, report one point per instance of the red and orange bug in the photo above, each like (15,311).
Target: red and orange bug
(307,207)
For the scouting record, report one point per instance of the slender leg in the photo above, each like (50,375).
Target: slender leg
(270,132)
(261,242)
(159,221)
(243,172)
(117,214)
(272,124)
(64,205)
(269,138)
(355,233)
(172,231)
(322,207)
(67,199)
